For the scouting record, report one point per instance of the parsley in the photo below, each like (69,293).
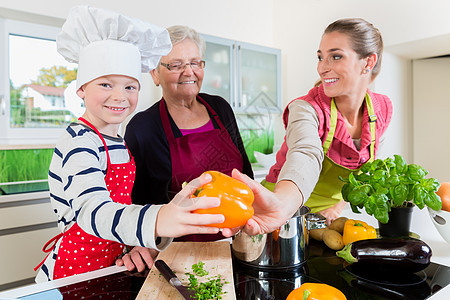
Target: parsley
(210,289)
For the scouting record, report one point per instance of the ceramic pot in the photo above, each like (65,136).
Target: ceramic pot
(399,223)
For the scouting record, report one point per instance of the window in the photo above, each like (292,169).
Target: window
(37,99)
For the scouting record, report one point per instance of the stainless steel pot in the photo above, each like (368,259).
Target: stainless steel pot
(284,248)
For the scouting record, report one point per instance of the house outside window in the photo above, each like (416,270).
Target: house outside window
(37,87)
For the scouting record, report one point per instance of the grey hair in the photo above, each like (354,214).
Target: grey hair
(365,39)
(179,33)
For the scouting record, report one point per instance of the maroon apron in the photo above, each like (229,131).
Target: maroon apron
(195,153)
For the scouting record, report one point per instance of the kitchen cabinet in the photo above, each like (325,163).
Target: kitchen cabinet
(248,76)
(27,221)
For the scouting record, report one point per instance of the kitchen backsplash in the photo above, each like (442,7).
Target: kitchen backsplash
(257,133)
(32,164)
(24,164)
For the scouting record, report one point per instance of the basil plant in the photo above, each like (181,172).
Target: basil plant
(383,184)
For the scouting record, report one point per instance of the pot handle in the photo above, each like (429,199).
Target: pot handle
(315,221)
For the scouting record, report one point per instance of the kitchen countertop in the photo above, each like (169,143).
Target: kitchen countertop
(421,225)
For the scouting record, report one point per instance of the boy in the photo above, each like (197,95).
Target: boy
(92,172)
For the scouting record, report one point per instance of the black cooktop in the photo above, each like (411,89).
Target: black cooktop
(324,266)
(250,283)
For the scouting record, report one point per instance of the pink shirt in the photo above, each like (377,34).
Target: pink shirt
(207,127)
(342,150)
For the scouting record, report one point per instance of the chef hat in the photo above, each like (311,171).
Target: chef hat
(104,42)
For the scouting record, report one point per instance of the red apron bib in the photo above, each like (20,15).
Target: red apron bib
(195,153)
(80,252)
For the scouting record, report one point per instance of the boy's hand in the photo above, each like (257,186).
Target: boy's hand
(139,258)
(176,218)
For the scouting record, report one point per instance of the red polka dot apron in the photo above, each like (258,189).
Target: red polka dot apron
(80,252)
(195,153)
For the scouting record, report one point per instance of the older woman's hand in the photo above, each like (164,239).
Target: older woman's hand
(177,218)
(272,209)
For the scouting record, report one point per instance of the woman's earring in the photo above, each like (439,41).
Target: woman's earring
(367,70)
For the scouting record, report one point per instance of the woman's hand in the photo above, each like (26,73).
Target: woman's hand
(271,209)
(139,258)
(332,213)
(176,218)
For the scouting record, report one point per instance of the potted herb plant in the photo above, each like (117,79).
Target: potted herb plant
(388,190)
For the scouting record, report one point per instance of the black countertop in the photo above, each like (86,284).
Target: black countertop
(250,283)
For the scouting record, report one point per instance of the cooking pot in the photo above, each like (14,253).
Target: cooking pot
(286,247)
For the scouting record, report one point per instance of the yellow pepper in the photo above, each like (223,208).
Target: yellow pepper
(316,291)
(355,230)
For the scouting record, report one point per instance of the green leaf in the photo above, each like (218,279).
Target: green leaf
(399,194)
(390,164)
(355,209)
(419,196)
(346,189)
(343,179)
(358,195)
(377,164)
(416,173)
(378,206)
(381,190)
(392,181)
(363,177)
(379,175)
(365,168)
(400,164)
(433,201)
(352,179)
(431,184)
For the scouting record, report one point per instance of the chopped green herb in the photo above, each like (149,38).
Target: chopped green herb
(210,289)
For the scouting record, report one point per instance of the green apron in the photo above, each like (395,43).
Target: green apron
(327,191)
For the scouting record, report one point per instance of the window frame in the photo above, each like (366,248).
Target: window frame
(21,136)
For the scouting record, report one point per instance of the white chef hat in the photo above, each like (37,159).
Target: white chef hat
(104,42)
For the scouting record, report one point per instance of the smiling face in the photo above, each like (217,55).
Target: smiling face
(184,85)
(342,71)
(108,101)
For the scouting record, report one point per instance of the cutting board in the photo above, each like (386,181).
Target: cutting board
(180,256)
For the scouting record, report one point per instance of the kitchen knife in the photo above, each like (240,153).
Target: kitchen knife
(173,280)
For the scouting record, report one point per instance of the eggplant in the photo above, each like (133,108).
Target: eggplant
(397,255)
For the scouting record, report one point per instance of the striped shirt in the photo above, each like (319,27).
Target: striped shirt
(78,194)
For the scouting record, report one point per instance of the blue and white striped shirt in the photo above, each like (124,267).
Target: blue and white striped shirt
(78,194)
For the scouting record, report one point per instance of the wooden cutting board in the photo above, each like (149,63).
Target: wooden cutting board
(180,256)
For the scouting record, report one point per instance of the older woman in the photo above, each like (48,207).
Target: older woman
(186,133)
(331,131)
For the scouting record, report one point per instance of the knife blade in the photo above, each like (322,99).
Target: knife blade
(174,281)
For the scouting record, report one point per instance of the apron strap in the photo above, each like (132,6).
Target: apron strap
(333,122)
(372,122)
(49,247)
(99,134)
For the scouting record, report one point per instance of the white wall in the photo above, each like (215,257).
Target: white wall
(410,29)
(295,27)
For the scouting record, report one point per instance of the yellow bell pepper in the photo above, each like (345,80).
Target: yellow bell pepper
(355,230)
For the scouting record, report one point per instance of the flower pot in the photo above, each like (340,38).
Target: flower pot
(399,223)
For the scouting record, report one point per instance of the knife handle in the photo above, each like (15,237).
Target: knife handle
(167,272)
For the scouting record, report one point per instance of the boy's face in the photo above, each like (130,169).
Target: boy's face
(109,100)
